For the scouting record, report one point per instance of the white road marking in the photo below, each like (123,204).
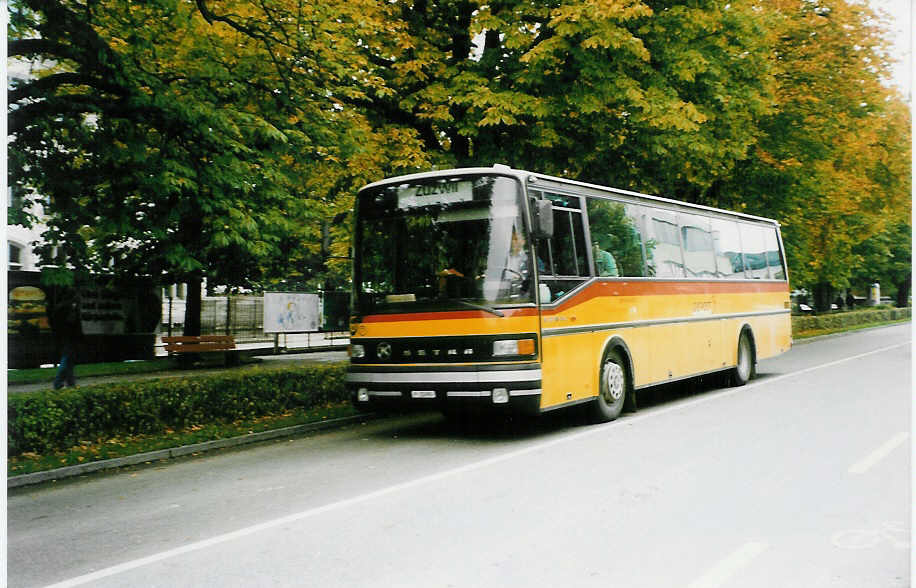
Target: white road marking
(893,532)
(720,573)
(865,464)
(275,523)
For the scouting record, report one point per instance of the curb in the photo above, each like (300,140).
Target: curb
(118,462)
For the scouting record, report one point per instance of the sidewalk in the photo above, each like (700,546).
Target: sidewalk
(259,355)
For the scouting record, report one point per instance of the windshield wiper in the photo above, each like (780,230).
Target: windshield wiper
(479,307)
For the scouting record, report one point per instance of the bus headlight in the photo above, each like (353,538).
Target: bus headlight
(357,351)
(513,347)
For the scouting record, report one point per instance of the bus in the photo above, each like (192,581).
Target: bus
(507,290)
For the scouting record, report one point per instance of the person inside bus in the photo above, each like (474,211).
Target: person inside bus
(604,261)
(516,275)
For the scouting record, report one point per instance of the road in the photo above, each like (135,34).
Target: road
(801,478)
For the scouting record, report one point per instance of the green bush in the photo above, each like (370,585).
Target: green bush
(840,320)
(53,420)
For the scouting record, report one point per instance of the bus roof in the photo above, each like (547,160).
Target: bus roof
(534,179)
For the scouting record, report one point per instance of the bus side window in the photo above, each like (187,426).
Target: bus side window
(753,241)
(665,244)
(545,265)
(569,256)
(697,244)
(563,259)
(774,259)
(727,246)
(615,231)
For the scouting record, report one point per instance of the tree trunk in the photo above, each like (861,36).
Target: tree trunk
(823,294)
(192,306)
(903,292)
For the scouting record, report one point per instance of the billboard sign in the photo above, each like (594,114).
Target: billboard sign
(290,312)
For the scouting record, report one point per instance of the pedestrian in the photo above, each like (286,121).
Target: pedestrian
(850,300)
(67,333)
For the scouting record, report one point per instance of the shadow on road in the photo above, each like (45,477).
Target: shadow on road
(479,426)
(667,393)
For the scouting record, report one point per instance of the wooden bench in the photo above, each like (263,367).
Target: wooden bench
(203,344)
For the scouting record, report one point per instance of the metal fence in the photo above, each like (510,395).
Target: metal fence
(240,316)
(243,316)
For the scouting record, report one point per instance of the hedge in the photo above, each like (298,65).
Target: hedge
(54,420)
(840,320)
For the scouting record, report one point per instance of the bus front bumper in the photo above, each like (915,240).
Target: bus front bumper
(515,387)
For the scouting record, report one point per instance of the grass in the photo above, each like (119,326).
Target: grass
(100,449)
(37,375)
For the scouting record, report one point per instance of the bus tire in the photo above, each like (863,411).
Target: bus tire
(614,387)
(745,367)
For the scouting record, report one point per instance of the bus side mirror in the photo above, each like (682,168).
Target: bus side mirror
(543,219)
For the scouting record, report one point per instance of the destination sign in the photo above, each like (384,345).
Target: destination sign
(435,194)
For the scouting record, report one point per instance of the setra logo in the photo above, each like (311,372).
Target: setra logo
(383,350)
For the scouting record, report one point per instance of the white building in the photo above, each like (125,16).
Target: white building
(19,240)
(21,254)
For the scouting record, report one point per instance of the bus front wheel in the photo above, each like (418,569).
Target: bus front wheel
(613,387)
(744,369)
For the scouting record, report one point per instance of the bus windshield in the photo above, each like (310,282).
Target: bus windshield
(442,243)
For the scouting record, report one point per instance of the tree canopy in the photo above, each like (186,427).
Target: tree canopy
(184,140)
(833,160)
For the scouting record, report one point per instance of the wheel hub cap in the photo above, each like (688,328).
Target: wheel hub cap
(613,382)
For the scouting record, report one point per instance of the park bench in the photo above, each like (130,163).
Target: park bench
(224,344)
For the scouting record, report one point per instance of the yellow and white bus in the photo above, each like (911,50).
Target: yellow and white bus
(504,289)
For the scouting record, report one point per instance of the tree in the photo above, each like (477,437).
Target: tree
(183,140)
(887,258)
(657,96)
(832,160)
(165,145)
(143,178)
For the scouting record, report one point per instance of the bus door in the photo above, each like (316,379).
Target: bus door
(567,343)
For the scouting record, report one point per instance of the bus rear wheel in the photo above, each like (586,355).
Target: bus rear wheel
(744,369)
(613,388)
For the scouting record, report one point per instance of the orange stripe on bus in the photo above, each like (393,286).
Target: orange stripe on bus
(653,288)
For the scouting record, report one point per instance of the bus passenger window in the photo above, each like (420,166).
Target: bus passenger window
(696,239)
(774,259)
(727,247)
(753,241)
(614,228)
(665,245)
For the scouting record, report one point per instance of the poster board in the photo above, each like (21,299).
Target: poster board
(102,312)
(291,312)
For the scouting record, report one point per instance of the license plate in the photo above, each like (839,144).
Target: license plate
(423,394)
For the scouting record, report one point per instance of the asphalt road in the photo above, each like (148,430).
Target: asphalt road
(801,478)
